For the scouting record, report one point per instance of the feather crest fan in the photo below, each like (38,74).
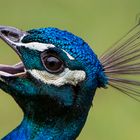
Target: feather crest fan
(122,64)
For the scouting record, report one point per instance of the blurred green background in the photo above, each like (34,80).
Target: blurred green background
(113,116)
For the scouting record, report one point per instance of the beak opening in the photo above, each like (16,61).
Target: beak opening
(12,36)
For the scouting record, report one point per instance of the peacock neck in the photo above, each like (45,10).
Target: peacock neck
(66,125)
(44,119)
(61,129)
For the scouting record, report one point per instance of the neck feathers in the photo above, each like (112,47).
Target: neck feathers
(46,119)
(51,129)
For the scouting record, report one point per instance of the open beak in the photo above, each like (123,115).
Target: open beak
(12,37)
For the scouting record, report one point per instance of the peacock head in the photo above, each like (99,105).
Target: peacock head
(58,72)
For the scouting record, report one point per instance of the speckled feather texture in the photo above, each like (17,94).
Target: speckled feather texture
(52,111)
(56,80)
(72,44)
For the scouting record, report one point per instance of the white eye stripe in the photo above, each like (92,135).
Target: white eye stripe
(38,46)
(68,76)
(41,47)
(69,56)
(32,45)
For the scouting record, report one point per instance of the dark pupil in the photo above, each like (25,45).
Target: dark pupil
(53,64)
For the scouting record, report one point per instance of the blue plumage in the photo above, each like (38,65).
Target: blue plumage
(56,80)
(72,44)
(53,109)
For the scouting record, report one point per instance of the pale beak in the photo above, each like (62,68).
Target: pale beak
(12,36)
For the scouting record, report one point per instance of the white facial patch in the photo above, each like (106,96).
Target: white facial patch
(32,45)
(68,76)
(38,46)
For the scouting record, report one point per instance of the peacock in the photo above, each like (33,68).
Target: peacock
(56,80)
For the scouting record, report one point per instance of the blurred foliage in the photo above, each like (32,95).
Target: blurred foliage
(113,116)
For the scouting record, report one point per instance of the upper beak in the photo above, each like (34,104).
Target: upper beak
(12,36)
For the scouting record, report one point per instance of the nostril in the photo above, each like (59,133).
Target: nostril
(4,32)
(11,35)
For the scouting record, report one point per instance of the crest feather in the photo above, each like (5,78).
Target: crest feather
(121,64)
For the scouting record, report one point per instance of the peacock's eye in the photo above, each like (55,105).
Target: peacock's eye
(52,63)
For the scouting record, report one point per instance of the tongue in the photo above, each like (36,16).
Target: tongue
(18,68)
